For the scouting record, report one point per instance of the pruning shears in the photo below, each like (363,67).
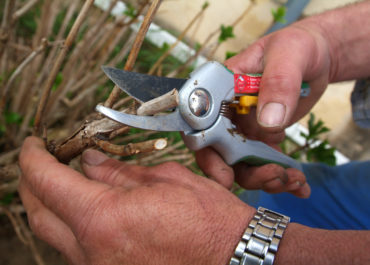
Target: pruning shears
(203,113)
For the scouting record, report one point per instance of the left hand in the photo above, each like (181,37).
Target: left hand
(125,214)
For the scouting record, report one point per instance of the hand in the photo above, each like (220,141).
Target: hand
(124,214)
(286,58)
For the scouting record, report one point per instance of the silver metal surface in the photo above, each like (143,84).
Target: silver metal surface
(199,102)
(260,247)
(202,99)
(171,122)
(218,82)
(141,86)
(234,147)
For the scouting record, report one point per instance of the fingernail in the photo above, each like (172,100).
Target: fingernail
(93,158)
(294,186)
(272,114)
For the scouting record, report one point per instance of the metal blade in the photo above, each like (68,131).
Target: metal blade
(141,86)
(170,123)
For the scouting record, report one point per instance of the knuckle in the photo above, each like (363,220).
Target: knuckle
(36,222)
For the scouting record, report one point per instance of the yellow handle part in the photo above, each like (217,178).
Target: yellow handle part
(245,102)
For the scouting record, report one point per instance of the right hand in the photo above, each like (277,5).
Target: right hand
(295,54)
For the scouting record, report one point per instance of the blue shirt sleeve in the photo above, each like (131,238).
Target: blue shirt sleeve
(340,197)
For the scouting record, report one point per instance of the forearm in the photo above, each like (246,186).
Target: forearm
(347,32)
(303,245)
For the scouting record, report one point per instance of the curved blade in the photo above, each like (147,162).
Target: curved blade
(171,123)
(141,86)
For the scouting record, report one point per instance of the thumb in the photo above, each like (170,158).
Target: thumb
(100,167)
(288,56)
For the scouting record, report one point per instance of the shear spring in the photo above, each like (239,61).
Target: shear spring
(225,110)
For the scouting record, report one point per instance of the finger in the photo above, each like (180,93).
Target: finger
(288,56)
(248,125)
(272,178)
(248,61)
(297,184)
(215,167)
(255,177)
(48,227)
(102,168)
(60,188)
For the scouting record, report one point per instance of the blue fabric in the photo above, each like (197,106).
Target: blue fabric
(340,197)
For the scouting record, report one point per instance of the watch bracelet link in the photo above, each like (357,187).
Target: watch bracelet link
(260,241)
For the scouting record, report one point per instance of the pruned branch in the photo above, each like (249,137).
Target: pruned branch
(132,148)
(159,104)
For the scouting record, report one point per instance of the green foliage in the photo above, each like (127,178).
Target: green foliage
(149,55)
(230,54)
(205,5)
(279,14)
(12,118)
(130,11)
(312,151)
(226,33)
(27,23)
(7,199)
(58,81)
(322,153)
(315,128)
(197,46)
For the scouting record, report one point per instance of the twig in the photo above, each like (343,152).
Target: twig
(9,157)
(156,105)
(180,37)
(9,187)
(30,241)
(132,148)
(194,56)
(236,21)
(161,153)
(9,173)
(135,50)
(50,81)
(24,9)
(19,70)
(135,136)
(16,226)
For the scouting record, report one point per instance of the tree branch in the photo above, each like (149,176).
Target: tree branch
(135,49)
(51,79)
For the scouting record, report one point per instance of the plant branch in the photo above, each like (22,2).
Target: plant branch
(135,49)
(19,70)
(162,103)
(24,9)
(182,35)
(50,81)
(132,148)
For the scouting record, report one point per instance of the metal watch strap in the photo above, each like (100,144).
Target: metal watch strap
(261,239)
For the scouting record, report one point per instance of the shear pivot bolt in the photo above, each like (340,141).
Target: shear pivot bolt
(199,102)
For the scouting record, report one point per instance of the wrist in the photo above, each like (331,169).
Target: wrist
(230,234)
(260,240)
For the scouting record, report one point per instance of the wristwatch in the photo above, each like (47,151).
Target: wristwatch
(260,241)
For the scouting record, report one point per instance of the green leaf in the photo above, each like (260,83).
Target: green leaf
(322,153)
(205,5)
(58,81)
(230,54)
(13,118)
(279,14)
(130,11)
(7,199)
(226,33)
(197,46)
